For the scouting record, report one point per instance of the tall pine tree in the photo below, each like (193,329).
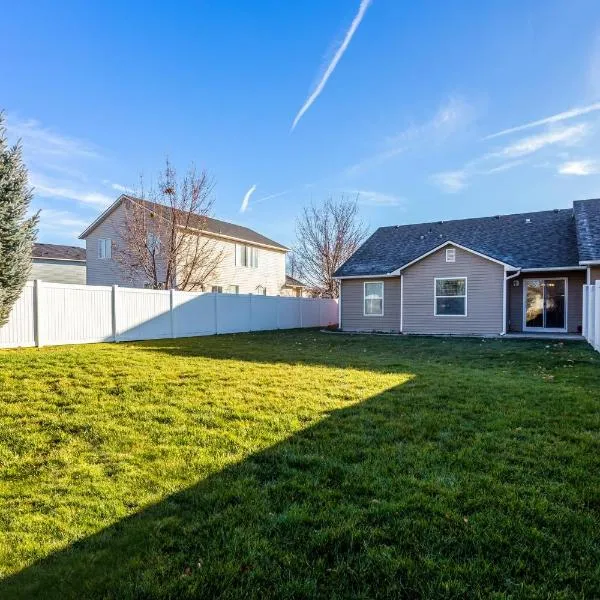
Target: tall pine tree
(17,232)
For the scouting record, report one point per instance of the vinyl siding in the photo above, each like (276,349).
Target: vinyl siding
(58,271)
(576,280)
(484,295)
(270,272)
(595,274)
(352,306)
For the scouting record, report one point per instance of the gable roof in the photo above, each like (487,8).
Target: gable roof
(58,252)
(526,240)
(291,282)
(207,224)
(587,219)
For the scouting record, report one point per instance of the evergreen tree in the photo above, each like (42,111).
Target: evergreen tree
(17,232)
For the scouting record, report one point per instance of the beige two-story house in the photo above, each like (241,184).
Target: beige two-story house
(250,262)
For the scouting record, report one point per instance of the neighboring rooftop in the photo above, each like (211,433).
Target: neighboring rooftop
(291,282)
(526,240)
(207,224)
(587,219)
(58,252)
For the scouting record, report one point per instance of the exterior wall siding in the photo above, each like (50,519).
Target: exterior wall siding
(58,271)
(484,295)
(576,280)
(352,306)
(270,272)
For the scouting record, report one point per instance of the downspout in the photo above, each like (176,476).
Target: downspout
(401,302)
(505,298)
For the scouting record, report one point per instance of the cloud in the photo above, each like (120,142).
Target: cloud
(580,167)
(39,140)
(453,115)
(247,198)
(563,116)
(272,196)
(372,198)
(50,189)
(121,188)
(362,9)
(503,167)
(451,182)
(61,223)
(531,144)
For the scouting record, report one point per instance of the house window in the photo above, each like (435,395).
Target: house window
(451,297)
(373,293)
(261,290)
(450,255)
(246,256)
(233,289)
(104,248)
(217,289)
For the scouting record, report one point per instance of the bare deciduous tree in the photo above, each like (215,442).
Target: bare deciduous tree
(327,235)
(161,239)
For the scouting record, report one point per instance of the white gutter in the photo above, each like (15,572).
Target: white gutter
(589,262)
(543,269)
(504,297)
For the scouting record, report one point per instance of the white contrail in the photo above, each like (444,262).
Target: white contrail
(247,198)
(563,116)
(364,4)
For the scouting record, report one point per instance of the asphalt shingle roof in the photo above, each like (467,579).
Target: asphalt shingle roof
(216,226)
(587,219)
(526,240)
(56,251)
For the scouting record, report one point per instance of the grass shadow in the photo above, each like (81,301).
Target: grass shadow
(398,496)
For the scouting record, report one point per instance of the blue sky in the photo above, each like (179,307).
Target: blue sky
(406,102)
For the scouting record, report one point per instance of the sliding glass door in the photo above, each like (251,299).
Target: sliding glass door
(545,304)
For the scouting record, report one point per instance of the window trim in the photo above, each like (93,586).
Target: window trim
(213,291)
(435,296)
(450,252)
(365,299)
(250,254)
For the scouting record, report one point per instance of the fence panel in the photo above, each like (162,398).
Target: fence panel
(264,313)
(193,314)
(20,329)
(54,313)
(143,314)
(73,314)
(591,320)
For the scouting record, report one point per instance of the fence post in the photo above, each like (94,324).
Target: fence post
(597,316)
(171,312)
(584,326)
(277,309)
(299,300)
(591,314)
(216,312)
(251,312)
(115,331)
(37,309)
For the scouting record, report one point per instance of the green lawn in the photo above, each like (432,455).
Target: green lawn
(300,465)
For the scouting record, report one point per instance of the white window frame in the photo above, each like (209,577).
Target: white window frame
(435,296)
(450,255)
(104,249)
(215,289)
(236,289)
(365,314)
(261,290)
(250,256)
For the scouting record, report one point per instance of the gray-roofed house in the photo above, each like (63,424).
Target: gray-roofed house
(293,287)
(58,264)
(482,276)
(252,263)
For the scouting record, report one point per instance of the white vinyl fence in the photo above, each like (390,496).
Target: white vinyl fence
(591,314)
(56,313)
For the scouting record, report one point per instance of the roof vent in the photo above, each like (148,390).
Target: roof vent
(497,217)
(441,222)
(422,237)
(528,220)
(556,210)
